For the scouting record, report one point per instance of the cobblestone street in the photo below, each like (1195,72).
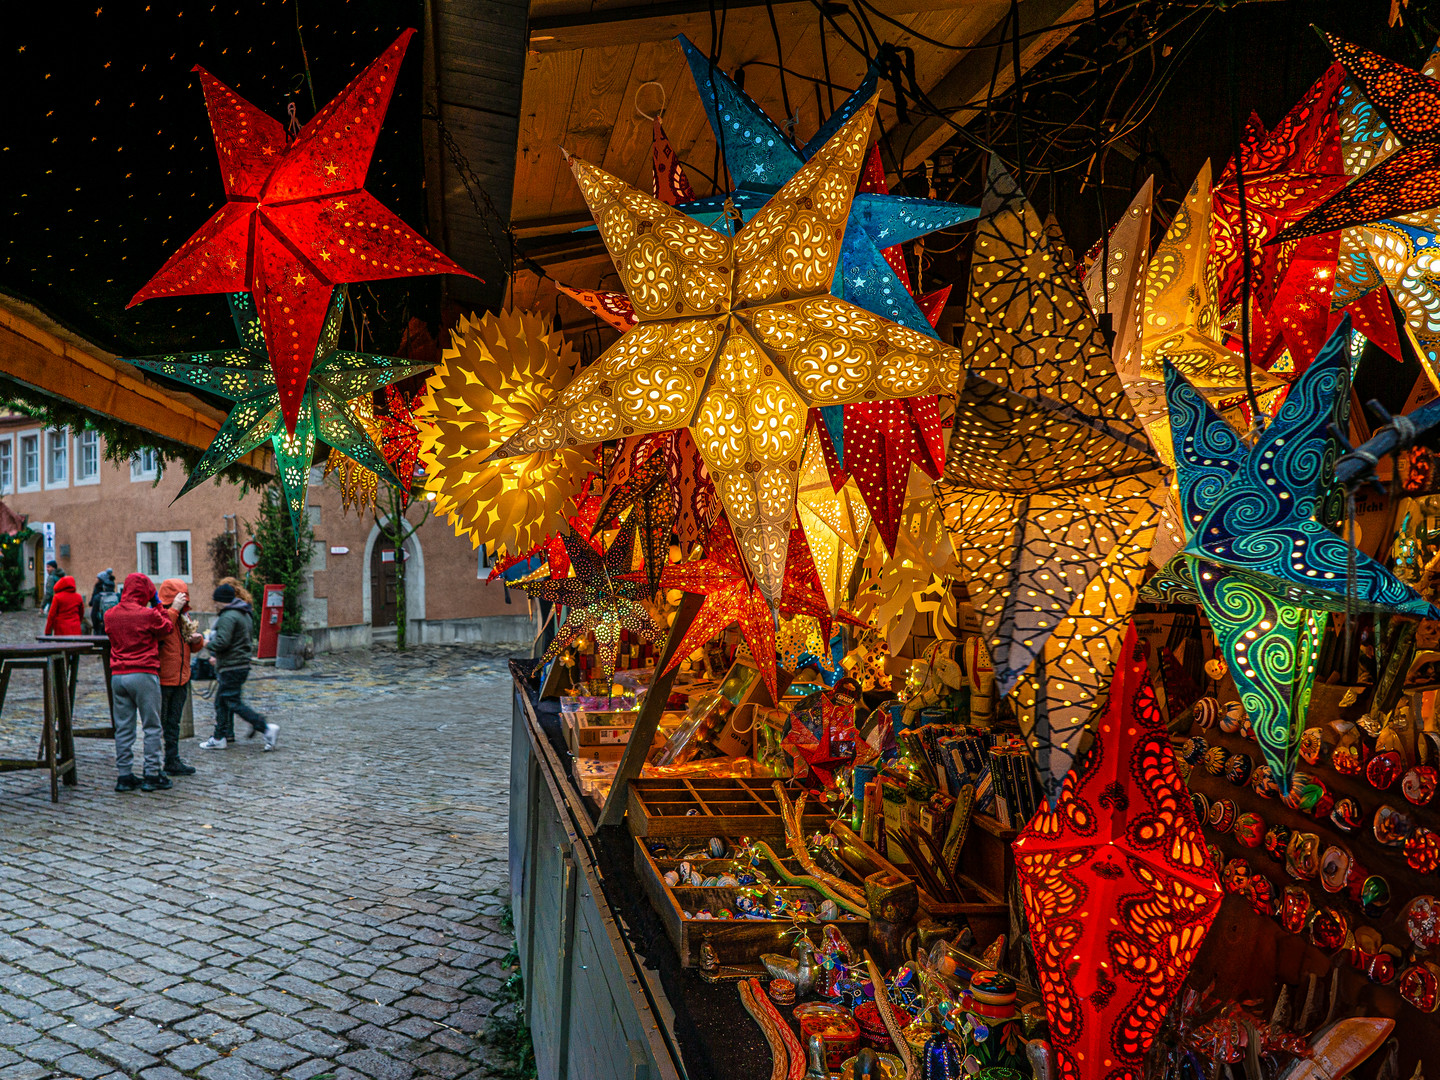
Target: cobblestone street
(333,908)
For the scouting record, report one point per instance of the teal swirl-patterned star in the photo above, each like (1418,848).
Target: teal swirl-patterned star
(243,374)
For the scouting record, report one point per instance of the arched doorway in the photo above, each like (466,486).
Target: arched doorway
(379,600)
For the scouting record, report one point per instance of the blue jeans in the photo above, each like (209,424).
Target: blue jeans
(230,683)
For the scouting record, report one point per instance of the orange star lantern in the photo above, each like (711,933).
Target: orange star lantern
(737,338)
(298,220)
(1118,888)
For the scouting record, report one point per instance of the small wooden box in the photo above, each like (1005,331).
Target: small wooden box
(735,941)
(704,807)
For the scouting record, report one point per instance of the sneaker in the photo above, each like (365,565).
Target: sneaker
(157,782)
(258,727)
(179,768)
(213,743)
(128,782)
(272,732)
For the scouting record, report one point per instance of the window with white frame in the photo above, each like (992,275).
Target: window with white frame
(161,555)
(145,464)
(7,466)
(29,461)
(57,457)
(87,457)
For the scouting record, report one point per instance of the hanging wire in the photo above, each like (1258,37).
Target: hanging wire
(1256,416)
(790,114)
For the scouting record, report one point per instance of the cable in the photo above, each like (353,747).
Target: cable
(779,59)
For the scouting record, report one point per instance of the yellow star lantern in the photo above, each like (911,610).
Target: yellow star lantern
(358,485)
(1051,489)
(834,521)
(898,588)
(1182,325)
(500,372)
(737,337)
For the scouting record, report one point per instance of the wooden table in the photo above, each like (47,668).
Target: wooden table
(98,645)
(57,741)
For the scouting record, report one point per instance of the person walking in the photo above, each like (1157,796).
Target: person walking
(175,648)
(230,644)
(135,627)
(53,574)
(67,609)
(103,597)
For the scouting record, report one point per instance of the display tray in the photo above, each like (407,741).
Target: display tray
(706,807)
(735,941)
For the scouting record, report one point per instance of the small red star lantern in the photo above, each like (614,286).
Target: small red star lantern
(729,598)
(882,440)
(838,745)
(298,220)
(1118,888)
(400,435)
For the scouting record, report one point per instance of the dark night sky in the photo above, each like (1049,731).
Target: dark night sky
(107,163)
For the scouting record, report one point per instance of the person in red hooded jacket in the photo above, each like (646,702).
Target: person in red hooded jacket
(136,626)
(67,608)
(175,648)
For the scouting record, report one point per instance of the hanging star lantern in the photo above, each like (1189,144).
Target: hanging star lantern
(834,744)
(612,308)
(1182,324)
(1051,491)
(297,220)
(1262,542)
(897,589)
(738,337)
(835,521)
(649,495)
(358,485)
(498,374)
(730,599)
(670,184)
(327,409)
(1118,888)
(400,435)
(601,599)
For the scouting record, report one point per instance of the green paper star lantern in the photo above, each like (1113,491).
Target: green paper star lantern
(327,411)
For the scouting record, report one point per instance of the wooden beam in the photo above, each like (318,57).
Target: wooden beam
(963,90)
(525,228)
(619,26)
(69,369)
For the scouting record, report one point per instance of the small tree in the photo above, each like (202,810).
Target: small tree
(13,589)
(397,528)
(284,556)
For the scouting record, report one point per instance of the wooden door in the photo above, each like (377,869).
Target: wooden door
(383,606)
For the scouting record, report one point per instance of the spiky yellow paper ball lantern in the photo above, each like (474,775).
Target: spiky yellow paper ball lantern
(500,373)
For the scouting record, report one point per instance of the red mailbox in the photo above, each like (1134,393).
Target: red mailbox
(270,615)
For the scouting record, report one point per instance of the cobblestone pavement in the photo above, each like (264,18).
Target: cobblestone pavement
(330,908)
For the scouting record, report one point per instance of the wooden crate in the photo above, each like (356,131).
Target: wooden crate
(701,807)
(735,941)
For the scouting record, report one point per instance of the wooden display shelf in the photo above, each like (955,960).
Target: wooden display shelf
(737,941)
(703,807)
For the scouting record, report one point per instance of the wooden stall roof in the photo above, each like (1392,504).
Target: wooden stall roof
(587,90)
(37,352)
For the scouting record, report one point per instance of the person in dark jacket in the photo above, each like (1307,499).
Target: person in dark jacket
(175,650)
(135,626)
(53,574)
(229,643)
(102,598)
(67,609)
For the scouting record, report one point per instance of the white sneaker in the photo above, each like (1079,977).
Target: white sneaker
(213,743)
(272,732)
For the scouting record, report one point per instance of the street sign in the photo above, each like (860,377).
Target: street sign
(250,555)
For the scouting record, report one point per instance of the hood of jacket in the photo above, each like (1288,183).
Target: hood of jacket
(65,584)
(169,589)
(138,590)
(107,579)
(237,605)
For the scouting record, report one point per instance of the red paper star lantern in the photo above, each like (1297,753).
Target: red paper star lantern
(882,440)
(818,758)
(298,220)
(400,435)
(613,308)
(1118,888)
(730,598)
(672,186)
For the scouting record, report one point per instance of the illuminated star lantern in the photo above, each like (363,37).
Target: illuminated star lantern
(730,599)
(358,485)
(834,521)
(915,580)
(1395,254)
(611,307)
(1264,550)
(1051,490)
(602,598)
(499,373)
(327,407)
(1182,325)
(1118,888)
(649,494)
(738,338)
(400,436)
(298,219)
(671,185)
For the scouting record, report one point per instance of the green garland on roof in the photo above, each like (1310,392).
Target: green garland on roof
(122,441)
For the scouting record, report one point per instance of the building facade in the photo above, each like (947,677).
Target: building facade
(90,514)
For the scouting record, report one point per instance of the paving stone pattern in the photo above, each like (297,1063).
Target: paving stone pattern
(333,907)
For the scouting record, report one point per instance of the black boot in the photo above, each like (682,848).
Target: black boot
(175,767)
(128,782)
(157,782)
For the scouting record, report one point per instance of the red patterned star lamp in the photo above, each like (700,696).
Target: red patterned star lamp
(1118,888)
(298,220)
